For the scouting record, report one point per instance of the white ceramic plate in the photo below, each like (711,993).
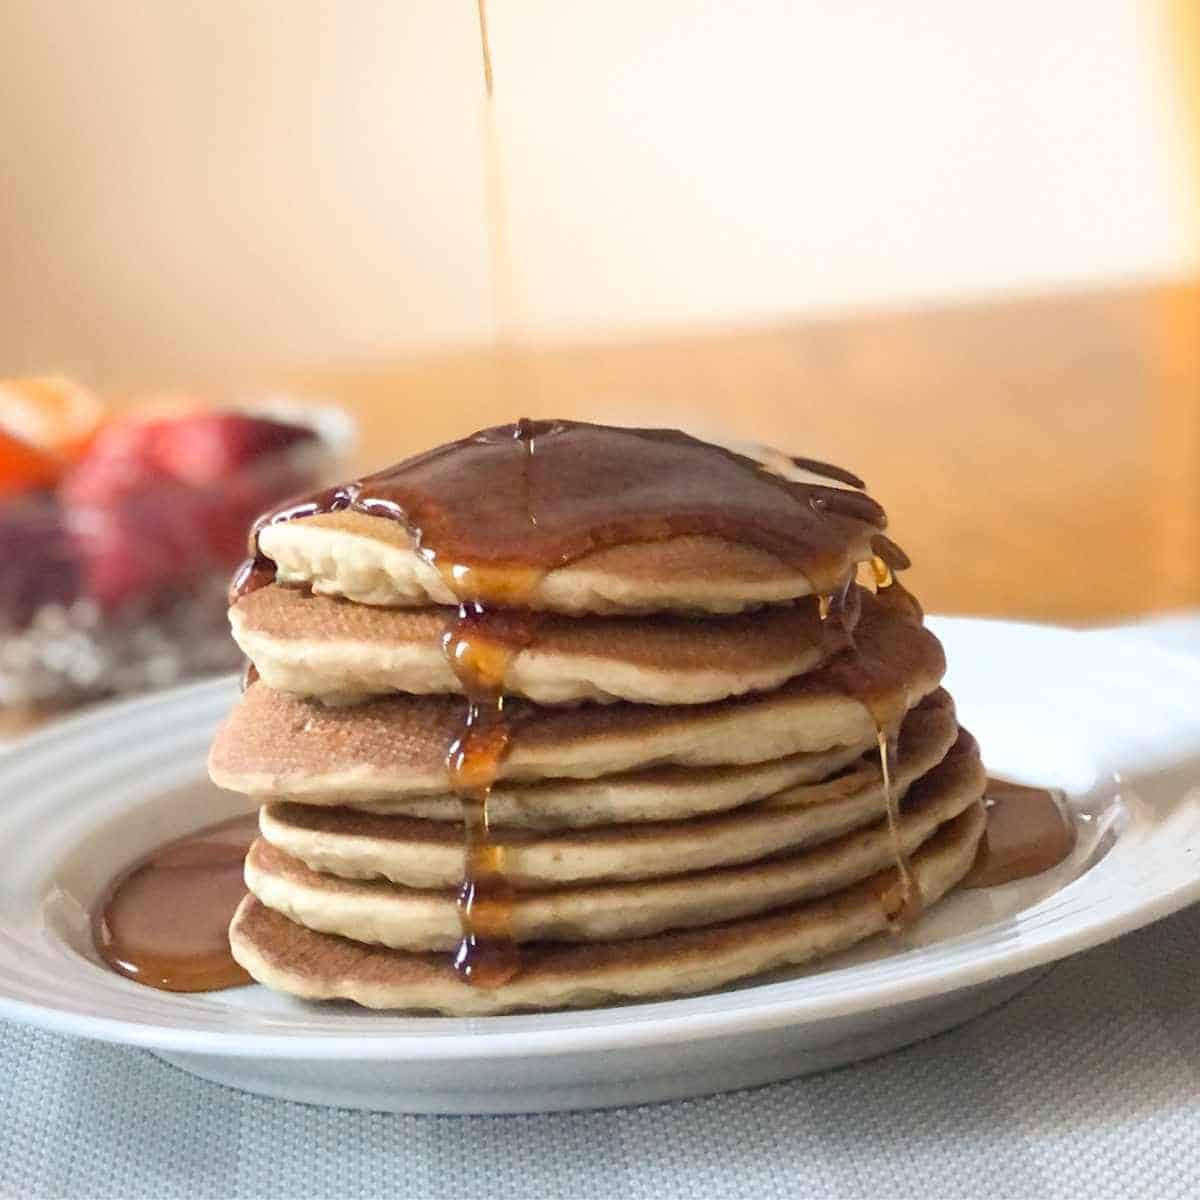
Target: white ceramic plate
(1109,718)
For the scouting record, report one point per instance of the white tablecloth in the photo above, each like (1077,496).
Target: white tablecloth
(1087,1085)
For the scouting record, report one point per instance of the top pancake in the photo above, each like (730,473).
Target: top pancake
(318,646)
(277,745)
(576,518)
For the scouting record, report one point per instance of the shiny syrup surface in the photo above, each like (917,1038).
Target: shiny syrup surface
(165,921)
(495,511)
(1028,831)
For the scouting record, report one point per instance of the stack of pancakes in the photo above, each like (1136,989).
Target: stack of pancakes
(710,768)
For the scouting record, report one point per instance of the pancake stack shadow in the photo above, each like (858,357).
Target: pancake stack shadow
(709,770)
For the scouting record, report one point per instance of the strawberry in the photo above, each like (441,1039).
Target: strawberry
(158,503)
(145,540)
(204,448)
(118,461)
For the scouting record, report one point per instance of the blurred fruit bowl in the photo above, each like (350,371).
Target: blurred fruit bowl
(118,537)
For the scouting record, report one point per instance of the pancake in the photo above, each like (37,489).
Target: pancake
(409,919)
(278,745)
(429,854)
(311,645)
(569,517)
(656,794)
(322,966)
(372,560)
(676,793)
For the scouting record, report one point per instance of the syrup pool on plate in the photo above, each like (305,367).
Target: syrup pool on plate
(165,921)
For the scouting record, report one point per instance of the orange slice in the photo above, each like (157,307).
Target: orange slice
(24,468)
(50,413)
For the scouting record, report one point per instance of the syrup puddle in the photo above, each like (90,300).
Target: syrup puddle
(164,922)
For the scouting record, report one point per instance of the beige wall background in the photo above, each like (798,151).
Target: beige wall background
(193,189)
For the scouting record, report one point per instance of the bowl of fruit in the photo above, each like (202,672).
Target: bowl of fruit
(118,534)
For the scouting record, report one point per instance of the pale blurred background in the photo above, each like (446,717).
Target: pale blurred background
(952,244)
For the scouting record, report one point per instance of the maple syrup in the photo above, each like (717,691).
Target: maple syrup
(479,645)
(1028,831)
(487,954)
(901,899)
(165,921)
(256,572)
(496,511)
(898,893)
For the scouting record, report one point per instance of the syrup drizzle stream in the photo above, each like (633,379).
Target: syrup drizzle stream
(480,645)
(503,274)
(486,46)
(899,894)
(901,902)
(515,379)
(487,956)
